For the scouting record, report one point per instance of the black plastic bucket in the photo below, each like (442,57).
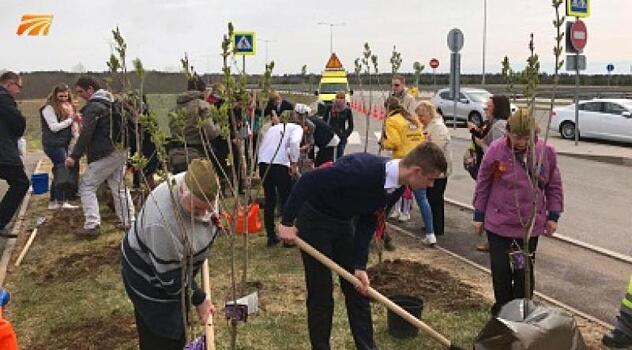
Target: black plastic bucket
(399,327)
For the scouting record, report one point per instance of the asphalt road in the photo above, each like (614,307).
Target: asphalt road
(597,196)
(597,201)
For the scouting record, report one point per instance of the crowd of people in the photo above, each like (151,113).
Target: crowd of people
(330,200)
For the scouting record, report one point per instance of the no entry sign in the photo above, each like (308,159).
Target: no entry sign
(434,63)
(578,35)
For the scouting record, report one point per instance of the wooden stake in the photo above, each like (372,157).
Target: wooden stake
(209,328)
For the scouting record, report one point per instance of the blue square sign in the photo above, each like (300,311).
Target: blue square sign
(578,8)
(244,43)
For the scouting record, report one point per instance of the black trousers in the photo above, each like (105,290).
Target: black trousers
(435,198)
(333,238)
(147,340)
(19,184)
(508,284)
(277,186)
(324,155)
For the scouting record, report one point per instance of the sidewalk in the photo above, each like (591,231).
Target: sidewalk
(600,151)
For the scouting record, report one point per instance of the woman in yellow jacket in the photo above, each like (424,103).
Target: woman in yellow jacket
(402,133)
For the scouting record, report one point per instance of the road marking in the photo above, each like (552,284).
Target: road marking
(354,139)
(378,135)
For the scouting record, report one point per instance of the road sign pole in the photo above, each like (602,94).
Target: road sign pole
(243,65)
(434,79)
(576,98)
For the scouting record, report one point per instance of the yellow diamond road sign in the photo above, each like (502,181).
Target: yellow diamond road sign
(244,43)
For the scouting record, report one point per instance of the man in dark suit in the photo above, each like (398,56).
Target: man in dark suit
(12,126)
(335,210)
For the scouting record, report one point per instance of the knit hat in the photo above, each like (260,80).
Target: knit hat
(201,179)
(521,123)
(302,109)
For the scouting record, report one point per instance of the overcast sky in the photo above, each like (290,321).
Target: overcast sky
(160,31)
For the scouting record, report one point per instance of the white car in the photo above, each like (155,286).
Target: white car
(470,107)
(608,119)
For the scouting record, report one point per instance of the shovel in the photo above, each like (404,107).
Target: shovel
(375,295)
(207,341)
(38,223)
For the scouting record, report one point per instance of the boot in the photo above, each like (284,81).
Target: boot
(388,242)
(617,340)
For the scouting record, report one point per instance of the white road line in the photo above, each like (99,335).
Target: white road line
(354,139)
(378,135)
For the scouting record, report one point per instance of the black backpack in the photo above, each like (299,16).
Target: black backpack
(122,124)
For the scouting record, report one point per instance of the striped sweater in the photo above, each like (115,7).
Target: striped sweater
(152,252)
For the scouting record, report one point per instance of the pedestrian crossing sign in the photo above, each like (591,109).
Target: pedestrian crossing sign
(578,8)
(244,43)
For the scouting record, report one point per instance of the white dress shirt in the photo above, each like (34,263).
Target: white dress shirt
(289,135)
(391,183)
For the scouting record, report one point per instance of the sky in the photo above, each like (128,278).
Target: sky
(159,32)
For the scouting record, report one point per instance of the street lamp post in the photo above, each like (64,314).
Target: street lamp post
(331,33)
(484,38)
(266,47)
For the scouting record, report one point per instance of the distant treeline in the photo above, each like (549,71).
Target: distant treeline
(39,84)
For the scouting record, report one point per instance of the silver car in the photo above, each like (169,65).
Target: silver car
(607,119)
(470,106)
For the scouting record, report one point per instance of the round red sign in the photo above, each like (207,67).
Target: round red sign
(434,63)
(579,35)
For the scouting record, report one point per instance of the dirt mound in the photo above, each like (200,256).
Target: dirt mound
(102,333)
(422,281)
(61,222)
(70,267)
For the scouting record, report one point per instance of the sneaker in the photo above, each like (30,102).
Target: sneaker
(6,233)
(89,233)
(403,217)
(617,340)
(69,206)
(394,214)
(53,205)
(430,240)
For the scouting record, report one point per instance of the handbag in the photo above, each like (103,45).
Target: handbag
(470,163)
(66,180)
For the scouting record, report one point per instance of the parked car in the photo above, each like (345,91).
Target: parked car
(607,119)
(470,106)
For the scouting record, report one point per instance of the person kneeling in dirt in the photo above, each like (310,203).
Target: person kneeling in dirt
(336,210)
(172,228)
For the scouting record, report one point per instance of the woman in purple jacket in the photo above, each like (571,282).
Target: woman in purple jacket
(503,202)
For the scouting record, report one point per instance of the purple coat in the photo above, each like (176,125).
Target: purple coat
(500,182)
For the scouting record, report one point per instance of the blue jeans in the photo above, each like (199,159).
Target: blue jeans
(340,149)
(424,207)
(58,156)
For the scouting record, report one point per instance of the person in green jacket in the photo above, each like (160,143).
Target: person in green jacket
(621,336)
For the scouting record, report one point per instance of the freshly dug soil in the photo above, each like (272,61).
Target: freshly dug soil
(101,333)
(397,277)
(70,267)
(61,222)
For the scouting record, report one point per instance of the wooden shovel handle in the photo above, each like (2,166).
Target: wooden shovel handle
(209,328)
(375,295)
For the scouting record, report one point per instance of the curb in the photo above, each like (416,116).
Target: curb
(19,220)
(615,160)
(563,238)
(486,270)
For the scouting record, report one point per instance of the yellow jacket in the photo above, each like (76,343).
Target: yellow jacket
(400,136)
